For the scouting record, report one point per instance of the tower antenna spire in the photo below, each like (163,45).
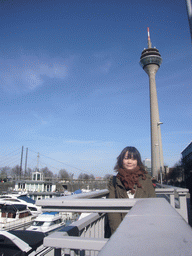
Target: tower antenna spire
(149,39)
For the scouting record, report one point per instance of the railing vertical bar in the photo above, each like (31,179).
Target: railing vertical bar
(93,236)
(82,253)
(57,252)
(86,232)
(83,233)
(97,229)
(102,227)
(172,200)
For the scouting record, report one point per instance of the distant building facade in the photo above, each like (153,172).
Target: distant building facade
(147,164)
(36,184)
(187,165)
(187,152)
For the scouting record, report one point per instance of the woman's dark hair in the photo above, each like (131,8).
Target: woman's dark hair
(132,153)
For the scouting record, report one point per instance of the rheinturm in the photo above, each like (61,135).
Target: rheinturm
(150,61)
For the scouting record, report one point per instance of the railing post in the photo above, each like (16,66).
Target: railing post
(82,253)
(183,206)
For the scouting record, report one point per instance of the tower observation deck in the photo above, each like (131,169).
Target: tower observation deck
(150,61)
(150,56)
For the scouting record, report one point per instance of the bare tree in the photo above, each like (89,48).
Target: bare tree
(28,173)
(64,175)
(91,177)
(85,176)
(175,173)
(4,173)
(47,173)
(107,176)
(16,172)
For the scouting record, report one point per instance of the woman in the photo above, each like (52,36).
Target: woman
(131,181)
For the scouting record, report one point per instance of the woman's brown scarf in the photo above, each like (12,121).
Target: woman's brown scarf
(129,178)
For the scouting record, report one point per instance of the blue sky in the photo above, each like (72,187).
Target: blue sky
(72,88)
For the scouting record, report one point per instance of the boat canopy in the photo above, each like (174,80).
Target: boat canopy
(12,207)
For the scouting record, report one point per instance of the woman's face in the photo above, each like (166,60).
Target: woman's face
(129,163)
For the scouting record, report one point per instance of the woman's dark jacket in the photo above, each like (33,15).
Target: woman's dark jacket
(117,190)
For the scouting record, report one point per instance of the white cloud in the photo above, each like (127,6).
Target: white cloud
(27,73)
(53,71)
(31,79)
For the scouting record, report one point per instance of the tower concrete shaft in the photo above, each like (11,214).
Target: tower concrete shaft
(150,61)
(156,144)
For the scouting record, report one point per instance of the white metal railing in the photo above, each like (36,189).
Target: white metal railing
(86,236)
(152,227)
(83,236)
(176,197)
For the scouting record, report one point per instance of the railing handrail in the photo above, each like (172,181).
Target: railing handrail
(89,205)
(177,189)
(163,189)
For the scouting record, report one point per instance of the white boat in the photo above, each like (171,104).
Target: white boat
(30,241)
(47,222)
(14,216)
(22,198)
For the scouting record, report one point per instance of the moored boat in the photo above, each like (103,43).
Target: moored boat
(47,222)
(14,216)
(22,198)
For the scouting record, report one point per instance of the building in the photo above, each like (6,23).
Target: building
(36,184)
(187,152)
(187,165)
(147,164)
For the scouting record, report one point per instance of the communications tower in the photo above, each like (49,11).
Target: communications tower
(150,61)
